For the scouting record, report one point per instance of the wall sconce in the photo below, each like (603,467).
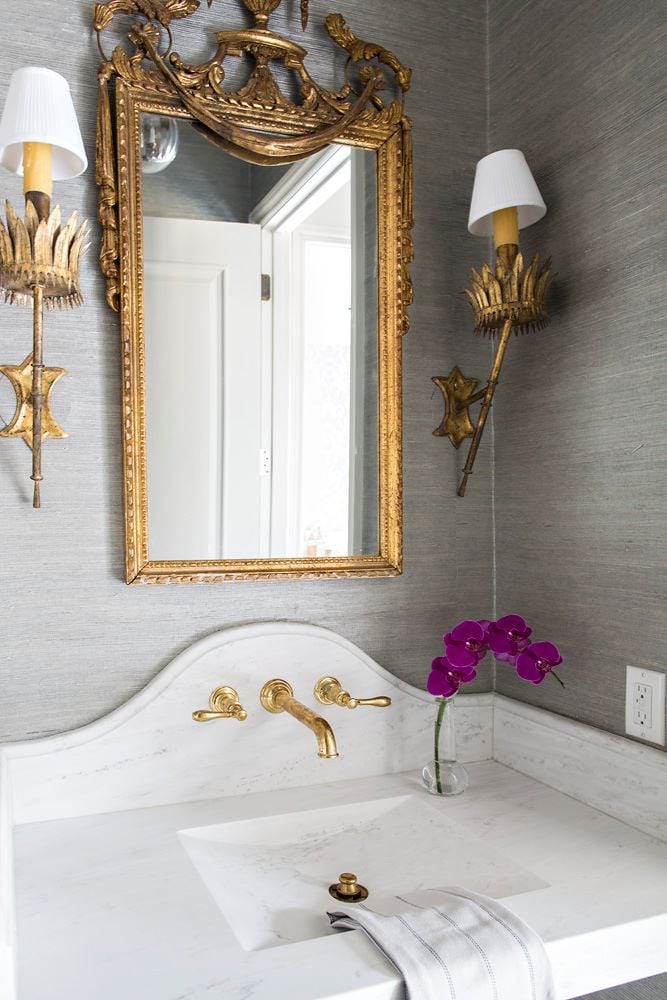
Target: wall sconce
(505,199)
(39,259)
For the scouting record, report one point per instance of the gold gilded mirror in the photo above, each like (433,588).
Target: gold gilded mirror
(256,243)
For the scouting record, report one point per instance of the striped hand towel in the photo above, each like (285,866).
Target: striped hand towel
(453,944)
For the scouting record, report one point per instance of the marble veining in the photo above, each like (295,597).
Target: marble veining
(618,776)
(270,875)
(150,752)
(7,928)
(115,833)
(115,898)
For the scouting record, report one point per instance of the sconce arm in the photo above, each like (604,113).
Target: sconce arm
(486,405)
(477,396)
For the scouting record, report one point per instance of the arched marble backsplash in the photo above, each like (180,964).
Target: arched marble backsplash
(150,752)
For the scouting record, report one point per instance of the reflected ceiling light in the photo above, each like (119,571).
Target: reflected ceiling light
(159,142)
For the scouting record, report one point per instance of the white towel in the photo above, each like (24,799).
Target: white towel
(453,944)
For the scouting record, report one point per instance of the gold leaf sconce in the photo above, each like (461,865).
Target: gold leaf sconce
(39,258)
(508,297)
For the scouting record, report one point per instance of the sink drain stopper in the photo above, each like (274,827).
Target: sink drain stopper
(348,889)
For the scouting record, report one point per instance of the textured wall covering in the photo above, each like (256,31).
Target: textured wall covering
(76,641)
(580,452)
(654,988)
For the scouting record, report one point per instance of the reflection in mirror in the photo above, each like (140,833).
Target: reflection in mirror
(261,354)
(159,142)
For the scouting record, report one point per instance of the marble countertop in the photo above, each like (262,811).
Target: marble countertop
(111,904)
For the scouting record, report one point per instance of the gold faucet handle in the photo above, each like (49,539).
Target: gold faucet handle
(224,704)
(329,691)
(380,702)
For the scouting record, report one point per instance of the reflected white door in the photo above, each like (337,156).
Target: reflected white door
(202,309)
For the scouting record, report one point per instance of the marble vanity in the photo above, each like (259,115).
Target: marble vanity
(146,856)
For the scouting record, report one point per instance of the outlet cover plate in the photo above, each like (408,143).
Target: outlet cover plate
(645,704)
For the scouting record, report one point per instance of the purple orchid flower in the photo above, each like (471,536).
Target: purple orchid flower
(537,660)
(507,637)
(445,679)
(466,644)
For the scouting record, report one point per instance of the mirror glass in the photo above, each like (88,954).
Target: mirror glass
(261,350)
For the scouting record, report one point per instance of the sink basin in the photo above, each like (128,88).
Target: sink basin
(270,876)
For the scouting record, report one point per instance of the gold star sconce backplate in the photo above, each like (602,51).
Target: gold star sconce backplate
(21,424)
(457,391)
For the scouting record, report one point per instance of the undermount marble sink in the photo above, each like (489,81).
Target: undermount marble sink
(270,876)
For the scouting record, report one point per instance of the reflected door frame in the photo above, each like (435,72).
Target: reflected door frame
(219,433)
(279,214)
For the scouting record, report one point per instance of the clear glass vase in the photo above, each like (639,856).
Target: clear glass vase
(444,775)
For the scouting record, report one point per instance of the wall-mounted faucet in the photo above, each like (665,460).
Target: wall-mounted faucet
(223,704)
(277,696)
(329,691)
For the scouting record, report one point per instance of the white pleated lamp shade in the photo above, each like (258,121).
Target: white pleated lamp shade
(503,180)
(39,108)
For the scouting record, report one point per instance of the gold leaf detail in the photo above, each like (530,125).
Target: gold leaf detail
(43,244)
(509,292)
(51,260)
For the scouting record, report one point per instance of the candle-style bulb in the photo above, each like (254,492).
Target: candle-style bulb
(38,167)
(505,227)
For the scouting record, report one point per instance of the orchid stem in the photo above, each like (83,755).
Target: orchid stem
(438,724)
(554,674)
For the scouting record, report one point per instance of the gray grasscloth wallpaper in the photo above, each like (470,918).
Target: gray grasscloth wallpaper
(580,436)
(654,988)
(579,432)
(579,428)
(76,641)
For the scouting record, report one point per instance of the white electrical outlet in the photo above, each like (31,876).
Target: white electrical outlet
(645,704)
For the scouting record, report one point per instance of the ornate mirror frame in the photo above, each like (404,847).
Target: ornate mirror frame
(257,123)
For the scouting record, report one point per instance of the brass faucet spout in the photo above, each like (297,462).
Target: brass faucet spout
(326,741)
(277,696)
